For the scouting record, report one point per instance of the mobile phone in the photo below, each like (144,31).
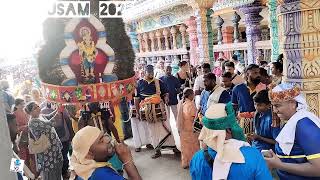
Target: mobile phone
(266,153)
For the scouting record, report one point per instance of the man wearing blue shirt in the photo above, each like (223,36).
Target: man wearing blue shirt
(173,86)
(227,155)
(242,94)
(297,151)
(242,97)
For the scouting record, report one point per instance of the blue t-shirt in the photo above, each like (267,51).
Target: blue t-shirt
(254,168)
(262,125)
(230,90)
(146,89)
(306,144)
(224,97)
(173,85)
(104,173)
(241,96)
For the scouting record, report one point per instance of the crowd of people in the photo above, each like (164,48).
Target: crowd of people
(19,73)
(233,122)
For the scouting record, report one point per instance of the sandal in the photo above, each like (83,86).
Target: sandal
(156,155)
(149,146)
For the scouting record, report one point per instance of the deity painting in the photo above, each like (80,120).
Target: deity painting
(87,52)
(87,58)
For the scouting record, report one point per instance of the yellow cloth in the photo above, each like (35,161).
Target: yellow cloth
(81,144)
(75,126)
(118,121)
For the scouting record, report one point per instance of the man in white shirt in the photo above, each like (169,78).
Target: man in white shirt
(199,83)
(236,79)
(159,72)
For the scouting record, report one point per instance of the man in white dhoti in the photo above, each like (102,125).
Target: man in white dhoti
(140,131)
(152,95)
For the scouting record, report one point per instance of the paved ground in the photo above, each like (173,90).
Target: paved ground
(167,167)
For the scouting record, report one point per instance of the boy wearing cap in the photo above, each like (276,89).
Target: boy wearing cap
(227,156)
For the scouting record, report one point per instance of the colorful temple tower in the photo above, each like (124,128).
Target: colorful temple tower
(255,30)
(299,34)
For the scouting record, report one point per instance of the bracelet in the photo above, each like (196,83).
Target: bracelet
(126,163)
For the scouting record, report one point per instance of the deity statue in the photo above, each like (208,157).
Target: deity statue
(87,52)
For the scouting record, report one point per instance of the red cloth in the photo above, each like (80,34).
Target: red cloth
(22,119)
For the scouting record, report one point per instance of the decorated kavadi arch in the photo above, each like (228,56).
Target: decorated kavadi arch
(87,65)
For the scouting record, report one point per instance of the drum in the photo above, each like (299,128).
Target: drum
(133,112)
(153,112)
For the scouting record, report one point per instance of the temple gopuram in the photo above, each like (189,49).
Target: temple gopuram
(255,30)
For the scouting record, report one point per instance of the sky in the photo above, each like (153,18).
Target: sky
(21,27)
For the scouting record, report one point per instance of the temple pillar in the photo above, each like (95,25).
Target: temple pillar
(273,25)
(151,36)
(236,33)
(140,43)
(173,32)
(165,35)
(205,37)
(158,36)
(227,34)
(235,20)
(252,21)
(299,35)
(182,30)
(146,42)
(131,32)
(219,22)
(193,39)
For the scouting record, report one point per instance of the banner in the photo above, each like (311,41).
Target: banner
(85,93)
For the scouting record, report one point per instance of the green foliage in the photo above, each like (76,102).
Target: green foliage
(48,56)
(119,42)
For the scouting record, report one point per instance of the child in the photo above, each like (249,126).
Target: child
(265,134)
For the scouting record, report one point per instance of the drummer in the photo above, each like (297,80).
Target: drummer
(153,91)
